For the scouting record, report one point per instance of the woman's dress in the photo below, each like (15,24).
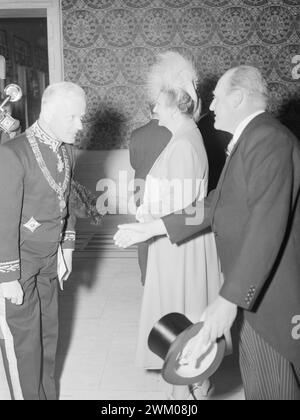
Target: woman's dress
(181,278)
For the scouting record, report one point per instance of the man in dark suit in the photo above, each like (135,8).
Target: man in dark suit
(255,214)
(146,144)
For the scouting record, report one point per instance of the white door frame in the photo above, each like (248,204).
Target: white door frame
(42,8)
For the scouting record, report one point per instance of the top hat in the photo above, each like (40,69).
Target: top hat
(167,340)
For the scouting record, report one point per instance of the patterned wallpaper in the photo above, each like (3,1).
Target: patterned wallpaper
(110,44)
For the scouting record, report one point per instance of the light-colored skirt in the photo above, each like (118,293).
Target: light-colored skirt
(184,279)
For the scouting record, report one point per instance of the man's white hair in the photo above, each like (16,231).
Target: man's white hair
(250,79)
(61,90)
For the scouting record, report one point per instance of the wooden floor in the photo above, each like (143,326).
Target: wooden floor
(99,313)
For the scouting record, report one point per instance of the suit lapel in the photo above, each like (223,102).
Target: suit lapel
(220,183)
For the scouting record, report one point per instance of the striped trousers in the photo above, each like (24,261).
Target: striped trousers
(266,374)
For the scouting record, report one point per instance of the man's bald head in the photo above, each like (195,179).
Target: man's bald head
(61,91)
(63,106)
(239,93)
(251,80)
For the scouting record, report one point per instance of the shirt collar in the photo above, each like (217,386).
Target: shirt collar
(45,138)
(240,128)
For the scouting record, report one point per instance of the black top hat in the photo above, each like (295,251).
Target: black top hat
(168,338)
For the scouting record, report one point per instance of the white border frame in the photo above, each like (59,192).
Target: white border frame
(53,11)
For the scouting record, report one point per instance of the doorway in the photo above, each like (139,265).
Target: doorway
(26,57)
(31,43)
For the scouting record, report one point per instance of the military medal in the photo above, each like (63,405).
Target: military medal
(62,205)
(60,164)
(58,188)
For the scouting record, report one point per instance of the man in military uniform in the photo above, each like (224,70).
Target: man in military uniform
(35,173)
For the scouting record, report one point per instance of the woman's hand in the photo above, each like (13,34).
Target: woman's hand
(133,233)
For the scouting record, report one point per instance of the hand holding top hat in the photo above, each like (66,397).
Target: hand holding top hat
(217,320)
(192,352)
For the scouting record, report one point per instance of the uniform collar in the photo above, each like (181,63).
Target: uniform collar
(45,138)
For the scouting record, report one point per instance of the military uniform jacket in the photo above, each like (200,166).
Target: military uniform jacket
(255,214)
(29,207)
